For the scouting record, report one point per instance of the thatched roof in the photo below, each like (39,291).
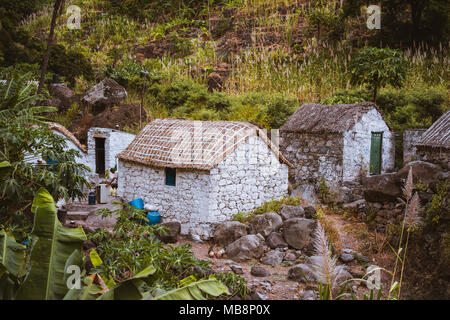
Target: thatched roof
(438,135)
(316,118)
(67,133)
(190,144)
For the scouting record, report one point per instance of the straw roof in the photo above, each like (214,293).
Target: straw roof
(438,135)
(67,133)
(316,118)
(191,144)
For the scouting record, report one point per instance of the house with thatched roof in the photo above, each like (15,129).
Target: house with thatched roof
(434,144)
(72,143)
(337,144)
(200,173)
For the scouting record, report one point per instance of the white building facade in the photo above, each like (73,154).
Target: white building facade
(249,173)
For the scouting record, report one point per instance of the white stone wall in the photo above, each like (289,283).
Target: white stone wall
(186,202)
(116,141)
(357,143)
(247,178)
(244,180)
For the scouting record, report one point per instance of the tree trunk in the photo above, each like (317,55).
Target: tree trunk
(56,10)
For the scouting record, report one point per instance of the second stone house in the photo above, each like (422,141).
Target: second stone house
(337,144)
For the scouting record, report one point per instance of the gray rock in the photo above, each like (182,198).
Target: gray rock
(346,257)
(381,187)
(306,192)
(301,272)
(289,256)
(288,212)
(246,248)
(273,258)
(173,231)
(298,233)
(237,269)
(258,296)
(266,285)
(107,93)
(259,271)
(428,173)
(308,295)
(265,223)
(309,212)
(275,240)
(228,232)
(342,275)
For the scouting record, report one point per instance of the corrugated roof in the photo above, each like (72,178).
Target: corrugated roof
(438,135)
(317,118)
(67,133)
(190,143)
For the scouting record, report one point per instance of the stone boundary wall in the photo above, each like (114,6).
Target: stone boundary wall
(410,137)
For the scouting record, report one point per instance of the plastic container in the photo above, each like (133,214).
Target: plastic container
(137,203)
(153,218)
(91,198)
(62,214)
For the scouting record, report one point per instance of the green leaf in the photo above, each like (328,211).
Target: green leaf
(196,291)
(130,288)
(54,245)
(95,258)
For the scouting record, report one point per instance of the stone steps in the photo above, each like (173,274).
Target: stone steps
(77,215)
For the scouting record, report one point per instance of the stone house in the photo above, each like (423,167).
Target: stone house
(103,146)
(337,143)
(200,173)
(72,143)
(434,145)
(410,138)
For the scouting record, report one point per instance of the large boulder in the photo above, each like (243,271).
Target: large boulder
(246,248)
(266,223)
(381,188)
(273,258)
(172,232)
(301,272)
(105,93)
(276,240)
(63,94)
(298,233)
(228,232)
(288,212)
(427,173)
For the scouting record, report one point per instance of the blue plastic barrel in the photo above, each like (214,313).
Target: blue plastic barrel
(153,218)
(91,199)
(137,203)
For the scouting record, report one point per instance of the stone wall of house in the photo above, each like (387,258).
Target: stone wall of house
(244,180)
(247,178)
(314,156)
(440,156)
(410,137)
(187,202)
(116,141)
(357,142)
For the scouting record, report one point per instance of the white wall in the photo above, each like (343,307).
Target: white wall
(116,141)
(357,146)
(244,180)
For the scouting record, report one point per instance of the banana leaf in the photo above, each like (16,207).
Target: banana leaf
(5,167)
(53,246)
(129,289)
(195,291)
(12,265)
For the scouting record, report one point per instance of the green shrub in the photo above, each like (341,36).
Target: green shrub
(346,97)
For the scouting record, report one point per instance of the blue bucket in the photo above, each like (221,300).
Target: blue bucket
(153,218)
(137,203)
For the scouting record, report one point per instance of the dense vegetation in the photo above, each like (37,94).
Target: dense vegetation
(266,58)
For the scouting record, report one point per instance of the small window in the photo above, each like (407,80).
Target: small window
(171,176)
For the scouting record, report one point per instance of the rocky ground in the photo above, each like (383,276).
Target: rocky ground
(273,272)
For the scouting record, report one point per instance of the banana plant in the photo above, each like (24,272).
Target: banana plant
(194,291)
(52,245)
(12,265)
